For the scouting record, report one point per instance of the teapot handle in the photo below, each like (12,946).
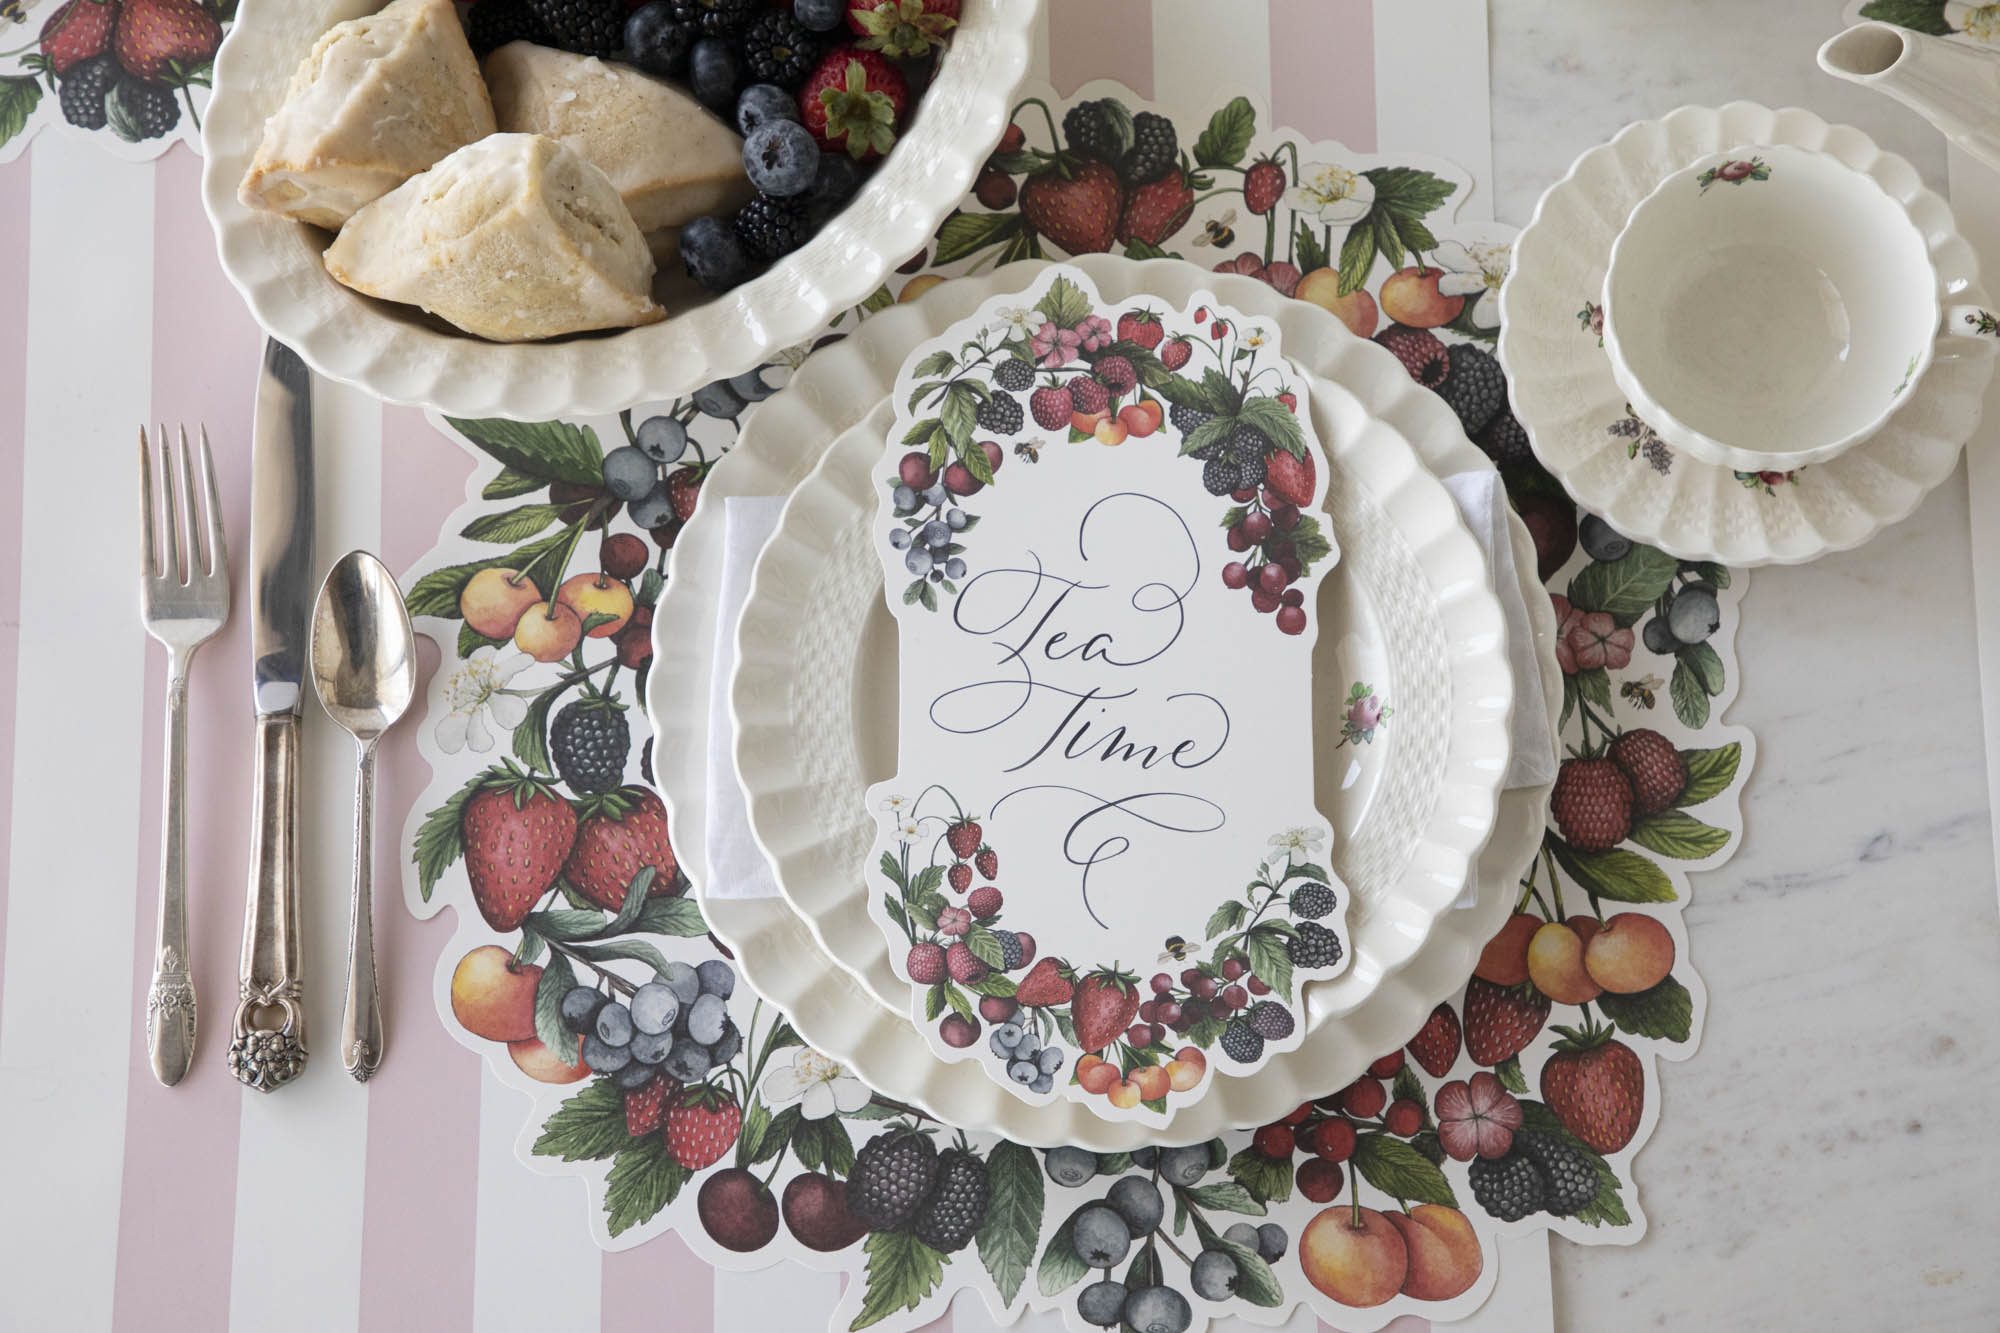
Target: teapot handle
(1971,321)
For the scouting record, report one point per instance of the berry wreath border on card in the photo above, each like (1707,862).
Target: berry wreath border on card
(1480,1147)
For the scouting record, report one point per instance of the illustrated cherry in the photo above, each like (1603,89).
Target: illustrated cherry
(1256,526)
(1273,578)
(1234,968)
(1291,620)
(1235,574)
(1161,983)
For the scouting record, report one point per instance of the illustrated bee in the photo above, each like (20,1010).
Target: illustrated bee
(1219,231)
(1178,949)
(1640,692)
(1029,450)
(12,9)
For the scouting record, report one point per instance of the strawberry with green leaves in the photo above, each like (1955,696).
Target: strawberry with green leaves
(77,31)
(903,29)
(165,40)
(854,101)
(702,1123)
(1596,1086)
(622,833)
(1500,1021)
(516,832)
(1103,1007)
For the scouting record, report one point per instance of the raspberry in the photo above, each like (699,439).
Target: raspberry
(1509,1187)
(85,85)
(956,1208)
(717,18)
(587,27)
(1312,901)
(925,964)
(1000,414)
(892,1176)
(1051,407)
(1014,375)
(984,902)
(1153,152)
(1592,802)
(1505,440)
(772,228)
(1313,947)
(781,50)
(1089,396)
(1653,766)
(589,742)
(495,23)
(1088,128)
(1186,418)
(1420,352)
(1474,385)
(140,110)
(1240,1043)
(964,964)
(1116,374)
(1569,1179)
(1270,1020)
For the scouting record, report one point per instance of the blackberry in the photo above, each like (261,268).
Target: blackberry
(1250,472)
(1312,901)
(1090,128)
(1000,414)
(717,18)
(779,49)
(1420,352)
(1014,374)
(85,87)
(1474,385)
(1314,946)
(1270,1020)
(139,110)
(1569,1180)
(1505,440)
(1246,441)
(1241,1043)
(892,1176)
(1153,151)
(587,27)
(956,1208)
(1186,418)
(589,742)
(1509,1187)
(771,228)
(495,23)
(1012,955)
(1218,476)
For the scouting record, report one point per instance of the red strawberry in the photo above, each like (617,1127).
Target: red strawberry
(902,28)
(1051,407)
(1011,139)
(925,963)
(1104,1006)
(1046,985)
(854,100)
(1200,313)
(1217,329)
(77,31)
(965,965)
(701,1125)
(962,838)
(156,36)
(1291,402)
(960,876)
(643,1106)
(623,833)
(1142,327)
(984,902)
(1263,184)
(683,491)
(1653,766)
(988,862)
(1596,1087)
(1592,803)
(516,832)
(1500,1021)
(1156,211)
(1290,476)
(1076,205)
(1176,353)
(1435,1046)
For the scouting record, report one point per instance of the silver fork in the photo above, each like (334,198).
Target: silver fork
(184,591)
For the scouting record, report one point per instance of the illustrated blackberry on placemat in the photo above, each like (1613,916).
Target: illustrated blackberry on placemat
(1000,414)
(84,89)
(1509,1187)
(1313,946)
(1474,385)
(893,1174)
(956,1208)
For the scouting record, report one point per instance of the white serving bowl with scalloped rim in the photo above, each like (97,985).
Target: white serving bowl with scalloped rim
(402,355)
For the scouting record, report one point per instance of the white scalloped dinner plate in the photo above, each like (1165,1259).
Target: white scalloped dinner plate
(397,353)
(776,951)
(1564,394)
(1408,609)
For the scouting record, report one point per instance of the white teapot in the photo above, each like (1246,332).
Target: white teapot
(1957,87)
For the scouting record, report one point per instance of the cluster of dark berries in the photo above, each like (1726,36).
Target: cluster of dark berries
(1540,1173)
(589,742)
(1236,462)
(1467,377)
(901,1182)
(1262,532)
(1141,148)
(97,92)
(930,520)
(123,64)
(1598,795)
(677,1026)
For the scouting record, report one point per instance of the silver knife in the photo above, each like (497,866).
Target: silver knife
(268,1049)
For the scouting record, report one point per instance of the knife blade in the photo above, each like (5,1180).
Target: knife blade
(268,1046)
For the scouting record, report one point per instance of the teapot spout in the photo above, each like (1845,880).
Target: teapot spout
(1955,87)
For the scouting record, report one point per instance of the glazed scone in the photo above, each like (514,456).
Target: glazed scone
(377,100)
(671,159)
(514,237)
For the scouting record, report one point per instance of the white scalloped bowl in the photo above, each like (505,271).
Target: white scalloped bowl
(399,354)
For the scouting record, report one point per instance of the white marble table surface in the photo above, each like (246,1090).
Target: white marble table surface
(1826,1160)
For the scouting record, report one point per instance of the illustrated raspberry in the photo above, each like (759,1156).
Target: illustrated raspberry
(494,23)
(1014,375)
(589,742)
(717,18)
(1154,149)
(1509,1187)
(1186,419)
(587,27)
(1116,374)
(1012,954)
(84,88)
(1270,1020)
(1474,385)
(1592,803)
(1000,414)
(1312,901)
(1568,1178)
(1089,129)
(779,49)
(892,1176)
(1218,476)
(1419,350)
(1051,407)
(140,110)
(956,1208)
(1505,440)
(925,964)
(984,902)
(1313,947)
(1653,766)
(964,964)
(1089,396)
(772,228)
(1241,1043)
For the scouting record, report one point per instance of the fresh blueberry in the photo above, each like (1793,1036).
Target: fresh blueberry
(717,399)
(1101,1237)
(1139,1201)
(1271,1242)
(918,561)
(781,158)
(604,1057)
(725,1047)
(579,1007)
(1244,1234)
(899,538)
(715,72)
(664,439)
(628,473)
(654,1007)
(936,495)
(1694,614)
(649,1048)
(712,255)
(717,978)
(655,43)
(1184,1166)
(1101,1303)
(653,509)
(762,103)
(706,1018)
(1070,1167)
(614,1025)
(820,15)
(1659,637)
(634,1076)
(683,981)
(750,386)
(955,519)
(1158,1310)
(688,1060)
(1023,1071)
(937,532)
(1213,1276)
(954,568)
(904,499)
(838,178)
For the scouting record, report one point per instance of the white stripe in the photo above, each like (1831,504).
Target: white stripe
(1191,69)
(968,1315)
(1445,39)
(302,1153)
(1524,1297)
(789,1296)
(69,1003)
(535,1265)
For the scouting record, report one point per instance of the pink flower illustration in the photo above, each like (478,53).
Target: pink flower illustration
(1054,347)
(1595,640)
(954,921)
(1566,618)
(1096,333)
(1477,1119)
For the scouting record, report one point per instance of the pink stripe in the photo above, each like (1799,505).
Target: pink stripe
(1323,69)
(422,1188)
(661,1284)
(176,1227)
(14,179)
(1106,39)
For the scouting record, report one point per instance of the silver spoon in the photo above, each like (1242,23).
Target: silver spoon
(364,668)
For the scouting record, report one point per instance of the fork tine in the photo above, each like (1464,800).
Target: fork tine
(149,555)
(195,529)
(170,518)
(218,551)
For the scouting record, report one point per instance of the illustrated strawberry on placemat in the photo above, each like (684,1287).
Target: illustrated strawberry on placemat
(621,833)
(516,832)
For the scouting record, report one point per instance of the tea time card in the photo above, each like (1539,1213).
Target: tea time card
(1100,866)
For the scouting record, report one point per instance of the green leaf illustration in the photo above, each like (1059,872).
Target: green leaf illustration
(1626,587)
(756,1124)
(1709,772)
(588,1127)
(1060,1268)
(1398,1170)
(1310,545)
(508,483)
(902,1270)
(1006,1239)
(1665,1011)
(512,525)
(556,981)
(471,641)
(985,947)
(441,839)
(1679,835)
(1621,876)
(1408,192)
(1064,304)
(1256,1284)
(637,951)
(552,450)
(1268,958)
(1595,686)
(1690,699)
(1307,251)
(531,744)
(1278,423)
(1508,1071)
(1706,664)
(1228,135)
(1226,917)
(1357,257)
(1225,1196)
(1925,16)
(18,99)
(644,1179)
(1266,1178)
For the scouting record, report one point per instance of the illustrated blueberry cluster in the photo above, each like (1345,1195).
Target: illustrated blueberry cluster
(678,1025)
(1028,1061)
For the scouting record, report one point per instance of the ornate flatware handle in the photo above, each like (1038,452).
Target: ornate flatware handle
(265,1054)
(170,1012)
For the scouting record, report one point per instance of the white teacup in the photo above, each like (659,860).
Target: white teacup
(1767,308)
